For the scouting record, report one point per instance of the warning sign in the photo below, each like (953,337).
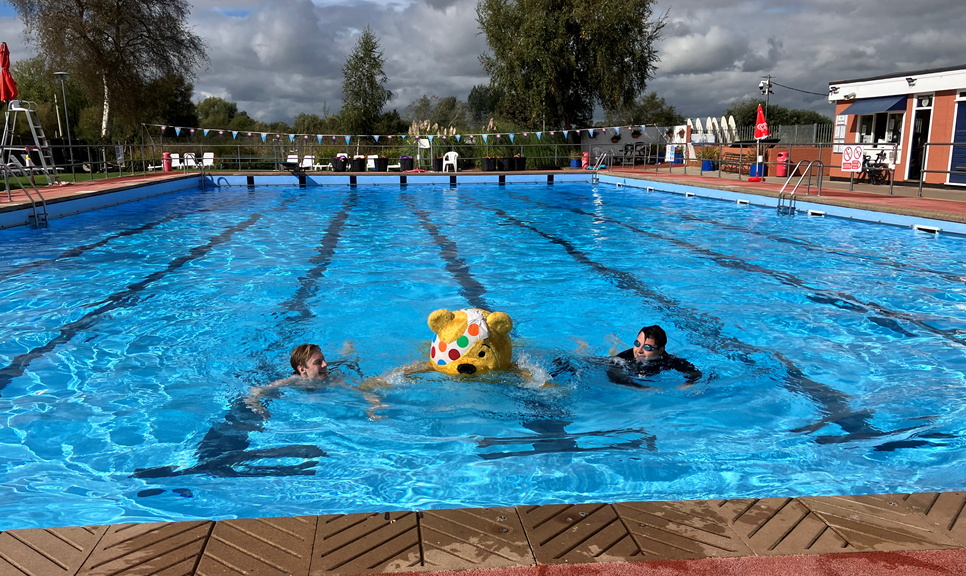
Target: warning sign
(852,158)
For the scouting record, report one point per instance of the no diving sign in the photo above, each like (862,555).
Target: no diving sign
(851,158)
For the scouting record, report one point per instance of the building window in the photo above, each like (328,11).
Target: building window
(865,128)
(881,128)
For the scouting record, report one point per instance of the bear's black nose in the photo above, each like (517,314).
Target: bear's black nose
(466,369)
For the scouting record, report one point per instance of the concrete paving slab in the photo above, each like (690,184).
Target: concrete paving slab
(474,538)
(878,523)
(259,547)
(156,549)
(47,552)
(946,510)
(780,526)
(367,544)
(582,533)
(680,530)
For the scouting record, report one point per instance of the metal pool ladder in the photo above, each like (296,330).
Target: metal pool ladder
(599,163)
(790,206)
(16,169)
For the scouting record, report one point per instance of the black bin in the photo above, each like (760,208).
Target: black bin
(437,164)
(405,164)
(381,164)
(504,164)
(519,163)
(338,164)
(358,165)
(488,164)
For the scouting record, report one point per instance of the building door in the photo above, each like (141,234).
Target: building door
(920,135)
(958,164)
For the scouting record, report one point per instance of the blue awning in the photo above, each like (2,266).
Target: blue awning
(876,105)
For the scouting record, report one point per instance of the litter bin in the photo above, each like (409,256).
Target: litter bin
(519,163)
(166,161)
(405,163)
(488,164)
(585,160)
(575,162)
(381,164)
(503,164)
(338,164)
(782,168)
(358,165)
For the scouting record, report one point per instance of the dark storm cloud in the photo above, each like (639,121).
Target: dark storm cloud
(277,58)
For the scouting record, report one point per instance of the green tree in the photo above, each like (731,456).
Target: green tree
(215,112)
(554,60)
(650,110)
(115,48)
(746,113)
(363,86)
(482,103)
(391,123)
(447,111)
(36,83)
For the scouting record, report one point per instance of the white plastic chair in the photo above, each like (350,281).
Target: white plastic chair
(189,161)
(308,163)
(176,161)
(293,158)
(371,162)
(208,159)
(449,159)
(396,166)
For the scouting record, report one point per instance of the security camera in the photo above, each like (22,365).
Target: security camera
(761,85)
(850,96)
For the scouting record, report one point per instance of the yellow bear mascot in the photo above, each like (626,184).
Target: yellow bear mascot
(470,341)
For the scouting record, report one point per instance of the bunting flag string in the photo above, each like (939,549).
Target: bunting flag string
(470,138)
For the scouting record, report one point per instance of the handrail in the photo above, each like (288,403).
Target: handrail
(18,167)
(806,172)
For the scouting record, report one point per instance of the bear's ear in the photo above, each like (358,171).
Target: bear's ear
(440,319)
(499,322)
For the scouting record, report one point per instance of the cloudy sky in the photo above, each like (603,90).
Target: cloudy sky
(277,58)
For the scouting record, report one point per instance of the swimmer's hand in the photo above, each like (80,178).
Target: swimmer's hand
(375,403)
(254,403)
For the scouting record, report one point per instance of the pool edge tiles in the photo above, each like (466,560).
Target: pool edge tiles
(501,537)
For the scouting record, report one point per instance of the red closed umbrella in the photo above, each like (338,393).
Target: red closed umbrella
(8,88)
(761,126)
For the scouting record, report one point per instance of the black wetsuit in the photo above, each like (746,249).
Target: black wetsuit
(634,369)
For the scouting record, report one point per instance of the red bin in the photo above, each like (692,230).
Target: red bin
(166,161)
(782,168)
(585,160)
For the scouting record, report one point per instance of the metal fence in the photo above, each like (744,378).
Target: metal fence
(797,134)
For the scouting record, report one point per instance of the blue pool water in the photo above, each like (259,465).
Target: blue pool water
(832,353)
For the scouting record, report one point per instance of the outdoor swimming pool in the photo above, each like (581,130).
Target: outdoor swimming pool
(832,353)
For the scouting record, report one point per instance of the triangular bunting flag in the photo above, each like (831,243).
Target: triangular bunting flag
(376,137)
(234,134)
(319,137)
(457,137)
(511,137)
(291,137)
(539,134)
(484,137)
(264,135)
(192,131)
(162,129)
(177,131)
(221,132)
(565,133)
(206,131)
(591,132)
(431,137)
(403,136)
(347,138)
(643,127)
(617,130)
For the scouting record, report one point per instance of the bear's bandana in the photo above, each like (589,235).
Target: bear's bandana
(444,353)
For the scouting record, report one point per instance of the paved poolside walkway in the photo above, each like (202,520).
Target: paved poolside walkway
(920,533)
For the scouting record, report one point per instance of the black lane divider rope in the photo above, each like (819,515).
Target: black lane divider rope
(223,450)
(841,300)
(79,250)
(833,403)
(127,298)
(470,288)
(804,244)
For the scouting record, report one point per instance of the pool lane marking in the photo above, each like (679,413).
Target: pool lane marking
(325,252)
(79,250)
(470,288)
(126,298)
(834,403)
(804,244)
(841,300)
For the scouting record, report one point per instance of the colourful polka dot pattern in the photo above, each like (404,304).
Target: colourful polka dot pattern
(445,352)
